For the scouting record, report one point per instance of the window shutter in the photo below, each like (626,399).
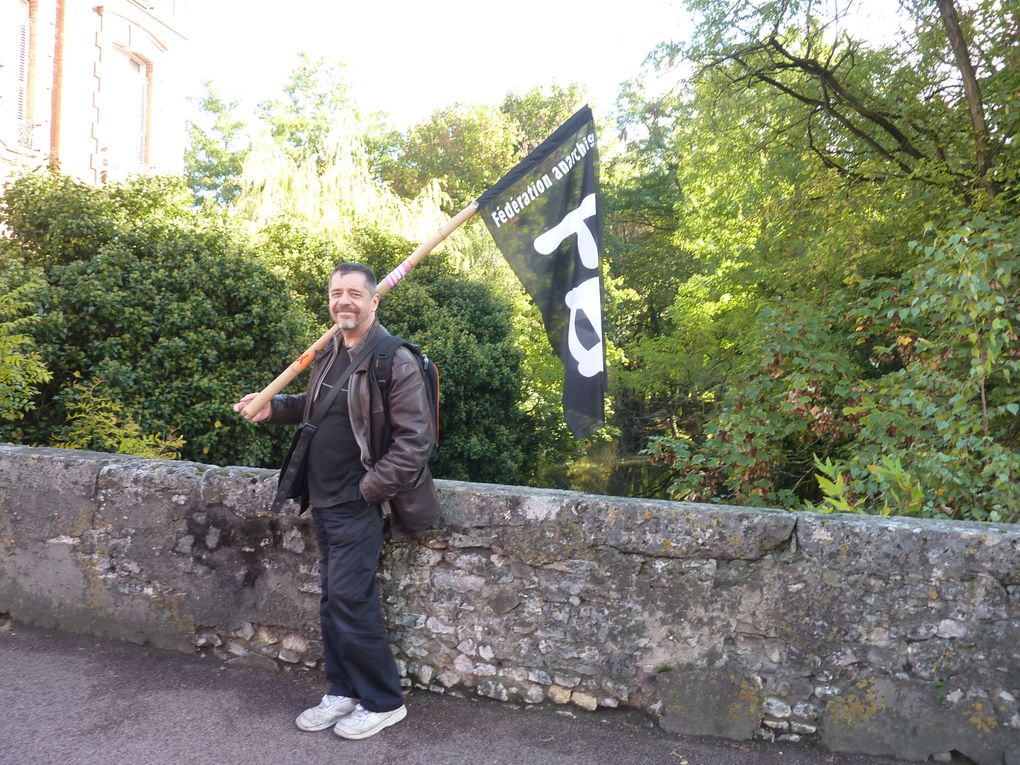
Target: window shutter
(126,89)
(143,105)
(23,54)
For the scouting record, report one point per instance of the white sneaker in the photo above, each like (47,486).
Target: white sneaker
(361,723)
(330,709)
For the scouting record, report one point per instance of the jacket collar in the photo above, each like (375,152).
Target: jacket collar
(330,351)
(374,331)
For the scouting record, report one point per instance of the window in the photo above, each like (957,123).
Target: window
(126,94)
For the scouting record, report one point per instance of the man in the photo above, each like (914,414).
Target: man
(356,462)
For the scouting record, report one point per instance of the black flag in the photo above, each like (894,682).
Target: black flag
(545,216)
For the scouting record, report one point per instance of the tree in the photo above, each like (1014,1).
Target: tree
(538,113)
(946,420)
(316,98)
(874,114)
(790,178)
(465,148)
(332,195)
(216,152)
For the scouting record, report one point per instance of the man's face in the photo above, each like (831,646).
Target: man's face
(351,303)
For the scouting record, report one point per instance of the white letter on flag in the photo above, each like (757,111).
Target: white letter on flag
(574,223)
(585,297)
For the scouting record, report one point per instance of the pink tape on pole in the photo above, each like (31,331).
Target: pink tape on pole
(394,276)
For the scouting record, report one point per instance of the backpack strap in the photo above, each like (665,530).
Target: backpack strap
(382,368)
(382,364)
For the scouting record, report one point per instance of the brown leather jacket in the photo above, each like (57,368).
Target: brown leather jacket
(401,465)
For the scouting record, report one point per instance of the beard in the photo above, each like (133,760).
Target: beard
(349,319)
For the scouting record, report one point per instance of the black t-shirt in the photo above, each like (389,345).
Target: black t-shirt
(334,457)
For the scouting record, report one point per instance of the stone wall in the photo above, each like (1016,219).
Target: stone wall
(865,634)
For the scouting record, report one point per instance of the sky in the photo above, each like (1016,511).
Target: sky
(408,59)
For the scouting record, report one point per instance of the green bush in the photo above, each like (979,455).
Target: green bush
(97,422)
(164,305)
(21,367)
(784,402)
(949,412)
(304,260)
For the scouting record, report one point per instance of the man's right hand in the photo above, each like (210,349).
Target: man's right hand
(259,416)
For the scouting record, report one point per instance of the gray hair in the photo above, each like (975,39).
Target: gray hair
(360,268)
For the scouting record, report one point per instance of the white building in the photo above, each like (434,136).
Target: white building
(95,91)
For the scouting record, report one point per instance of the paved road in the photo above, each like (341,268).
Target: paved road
(77,700)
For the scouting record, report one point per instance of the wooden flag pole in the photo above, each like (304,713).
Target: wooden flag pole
(300,364)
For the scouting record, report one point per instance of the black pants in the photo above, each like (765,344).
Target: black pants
(355,643)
